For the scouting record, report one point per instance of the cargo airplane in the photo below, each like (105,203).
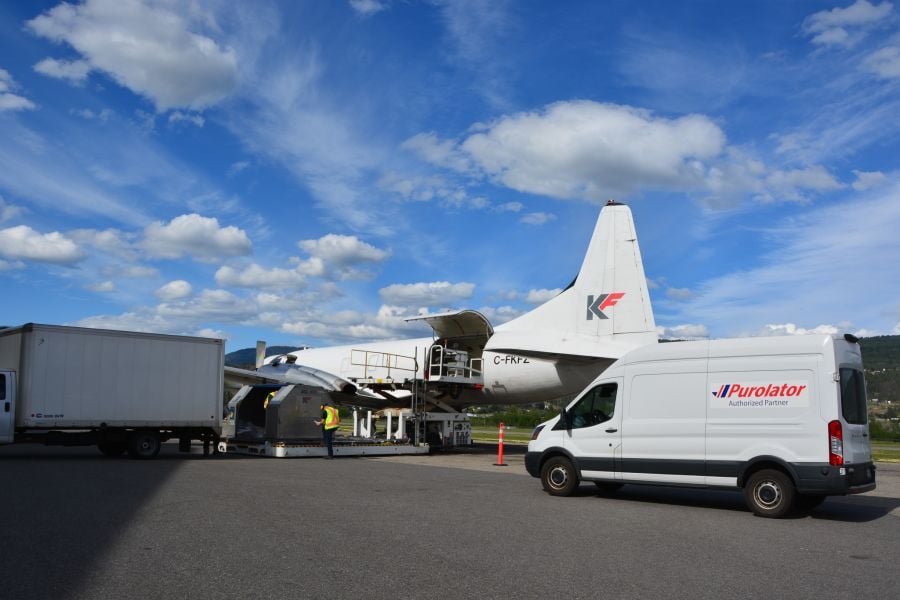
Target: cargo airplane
(550,352)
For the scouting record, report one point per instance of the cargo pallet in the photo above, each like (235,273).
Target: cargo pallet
(346,448)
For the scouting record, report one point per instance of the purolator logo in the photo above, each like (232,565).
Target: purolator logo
(780,394)
(758,391)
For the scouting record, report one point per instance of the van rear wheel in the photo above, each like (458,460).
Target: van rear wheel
(770,493)
(558,476)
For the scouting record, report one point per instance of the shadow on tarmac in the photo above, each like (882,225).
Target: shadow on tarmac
(59,523)
(850,509)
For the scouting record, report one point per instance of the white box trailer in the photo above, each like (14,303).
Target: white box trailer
(782,418)
(119,390)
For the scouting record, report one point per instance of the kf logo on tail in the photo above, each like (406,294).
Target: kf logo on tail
(595,307)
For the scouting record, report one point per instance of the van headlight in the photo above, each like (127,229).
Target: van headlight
(536,432)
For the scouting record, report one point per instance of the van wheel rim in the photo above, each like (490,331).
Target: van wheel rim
(768,494)
(558,477)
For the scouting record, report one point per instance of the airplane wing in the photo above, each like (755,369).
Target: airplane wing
(341,390)
(240,377)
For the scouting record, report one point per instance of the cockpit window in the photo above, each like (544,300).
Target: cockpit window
(595,407)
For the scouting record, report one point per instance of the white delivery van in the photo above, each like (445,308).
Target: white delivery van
(783,418)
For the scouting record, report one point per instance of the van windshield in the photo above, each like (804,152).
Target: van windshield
(853,396)
(595,407)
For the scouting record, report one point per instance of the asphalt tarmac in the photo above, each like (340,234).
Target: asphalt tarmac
(79,525)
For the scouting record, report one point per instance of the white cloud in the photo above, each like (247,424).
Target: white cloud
(367,7)
(541,296)
(537,218)
(792,329)
(845,26)
(216,334)
(687,331)
(679,293)
(255,276)
(238,167)
(438,293)
(9,100)
(199,237)
(88,114)
(829,265)
(184,317)
(9,211)
(790,184)
(342,326)
(340,255)
(130,321)
(180,117)
(478,33)
(149,49)
(111,242)
(443,153)
(500,314)
(6,265)
(510,207)
(884,62)
(174,290)
(343,249)
(118,173)
(866,180)
(582,149)
(103,287)
(134,271)
(215,305)
(25,243)
(75,71)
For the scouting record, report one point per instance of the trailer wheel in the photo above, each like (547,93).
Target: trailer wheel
(143,444)
(112,449)
(558,476)
(770,493)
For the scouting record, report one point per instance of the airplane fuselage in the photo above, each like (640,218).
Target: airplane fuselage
(501,378)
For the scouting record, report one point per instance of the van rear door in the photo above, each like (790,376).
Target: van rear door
(7,406)
(854,418)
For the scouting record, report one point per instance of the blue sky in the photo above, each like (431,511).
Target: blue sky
(313,172)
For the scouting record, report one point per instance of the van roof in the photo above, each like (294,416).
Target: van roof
(748,346)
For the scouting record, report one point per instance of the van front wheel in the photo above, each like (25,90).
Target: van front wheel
(770,493)
(558,476)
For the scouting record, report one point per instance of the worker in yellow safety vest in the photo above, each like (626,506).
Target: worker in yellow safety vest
(329,422)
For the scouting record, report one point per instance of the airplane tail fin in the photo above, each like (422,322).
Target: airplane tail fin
(605,312)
